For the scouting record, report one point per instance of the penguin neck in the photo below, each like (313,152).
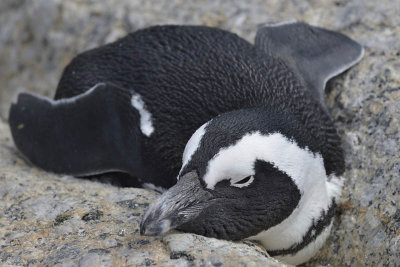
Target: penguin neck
(301,235)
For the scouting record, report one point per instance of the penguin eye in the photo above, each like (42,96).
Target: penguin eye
(244,182)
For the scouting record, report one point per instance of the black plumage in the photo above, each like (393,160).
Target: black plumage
(187,76)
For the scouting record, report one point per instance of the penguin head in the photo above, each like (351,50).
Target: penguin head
(241,174)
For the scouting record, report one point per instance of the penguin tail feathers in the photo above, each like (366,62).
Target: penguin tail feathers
(314,54)
(92,133)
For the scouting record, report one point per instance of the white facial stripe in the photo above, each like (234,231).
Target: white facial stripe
(192,145)
(237,161)
(146,125)
(305,168)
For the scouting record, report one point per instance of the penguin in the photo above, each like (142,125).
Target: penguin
(238,135)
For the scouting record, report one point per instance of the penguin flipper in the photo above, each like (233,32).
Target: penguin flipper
(315,54)
(92,133)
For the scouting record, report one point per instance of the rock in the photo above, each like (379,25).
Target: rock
(41,214)
(203,251)
(49,219)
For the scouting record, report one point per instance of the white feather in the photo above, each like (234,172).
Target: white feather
(192,145)
(304,167)
(146,125)
(306,253)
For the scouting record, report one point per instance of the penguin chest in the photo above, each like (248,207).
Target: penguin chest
(297,238)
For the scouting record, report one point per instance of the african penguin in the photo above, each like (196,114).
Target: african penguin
(261,157)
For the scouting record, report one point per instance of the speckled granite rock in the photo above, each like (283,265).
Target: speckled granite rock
(47,219)
(38,38)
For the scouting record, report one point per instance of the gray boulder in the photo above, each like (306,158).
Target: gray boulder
(47,219)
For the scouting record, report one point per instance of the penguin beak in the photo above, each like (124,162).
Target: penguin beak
(180,204)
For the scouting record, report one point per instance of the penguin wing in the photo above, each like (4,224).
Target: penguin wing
(92,133)
(314,54)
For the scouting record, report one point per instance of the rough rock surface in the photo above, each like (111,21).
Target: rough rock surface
(48,219)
